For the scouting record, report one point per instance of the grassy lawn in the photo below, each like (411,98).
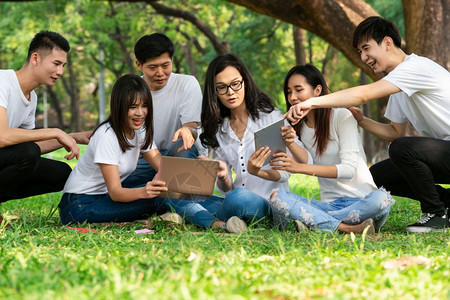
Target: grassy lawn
(41,259)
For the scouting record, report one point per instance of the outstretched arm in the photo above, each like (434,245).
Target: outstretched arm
(344,98)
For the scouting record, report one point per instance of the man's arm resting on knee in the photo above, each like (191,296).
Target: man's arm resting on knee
(53,144)
(14,136)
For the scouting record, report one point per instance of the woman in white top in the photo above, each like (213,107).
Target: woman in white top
(350,200)
(233,109)
(94,193)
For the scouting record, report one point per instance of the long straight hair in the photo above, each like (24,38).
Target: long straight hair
(321,115)
(214,112)
(126,91)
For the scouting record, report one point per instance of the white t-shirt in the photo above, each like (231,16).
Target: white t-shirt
(235,153)
(425,96)
(103,148)
(179,102)
(20,111)
(345,151)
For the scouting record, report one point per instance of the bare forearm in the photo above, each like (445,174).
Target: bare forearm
(127,195)
(271,175)
(53,144)
(300,154)
(49,146)
(14,136)
(356,95)
(329,171)
(224,184)
(345,98)
(383,131)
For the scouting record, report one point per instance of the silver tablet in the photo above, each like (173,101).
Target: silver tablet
(271,136)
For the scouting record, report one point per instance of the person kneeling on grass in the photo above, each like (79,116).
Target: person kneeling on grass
(23,172)
(350,201)
(93,192)
(418,91)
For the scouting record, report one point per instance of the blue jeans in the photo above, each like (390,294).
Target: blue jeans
(145,173)
(203,211)
(326,217)
(79,208)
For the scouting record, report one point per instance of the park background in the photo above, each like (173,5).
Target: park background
(41,258)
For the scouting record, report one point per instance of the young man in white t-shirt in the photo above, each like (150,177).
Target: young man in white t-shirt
(177,101)
(23,172)
(419,91)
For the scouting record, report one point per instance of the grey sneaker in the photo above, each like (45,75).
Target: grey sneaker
(235,225)
(171,217)
(429,222)
(300,227)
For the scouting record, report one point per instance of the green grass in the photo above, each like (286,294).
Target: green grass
(41,259)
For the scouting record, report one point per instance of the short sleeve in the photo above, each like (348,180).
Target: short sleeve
(106,148)
(395,108)
(192,102)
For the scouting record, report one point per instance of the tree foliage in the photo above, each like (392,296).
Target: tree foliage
(259,31)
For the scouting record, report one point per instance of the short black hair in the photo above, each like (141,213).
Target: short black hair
(47,40)
(151,46)
(377,28)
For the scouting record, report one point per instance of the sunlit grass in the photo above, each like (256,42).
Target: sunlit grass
(41,259)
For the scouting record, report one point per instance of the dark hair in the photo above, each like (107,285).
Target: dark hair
(151,46)
(321,115)
(214,112)
(47,40)
(376,28)
(125,92)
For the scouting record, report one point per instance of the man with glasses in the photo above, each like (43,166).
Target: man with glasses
(177,101)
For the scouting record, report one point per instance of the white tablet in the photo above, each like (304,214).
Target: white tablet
(271,136)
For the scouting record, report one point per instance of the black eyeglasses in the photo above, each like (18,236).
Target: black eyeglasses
(235,86)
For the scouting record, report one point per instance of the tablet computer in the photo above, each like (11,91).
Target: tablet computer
(271,136)
(186,177)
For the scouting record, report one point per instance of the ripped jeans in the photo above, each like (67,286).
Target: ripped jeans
(322,216)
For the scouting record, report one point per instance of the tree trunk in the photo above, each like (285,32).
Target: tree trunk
(427,23)
(190,61)
(55,104)
(427,29)
(299,45)
(75,103)
(333,21)
(329,55)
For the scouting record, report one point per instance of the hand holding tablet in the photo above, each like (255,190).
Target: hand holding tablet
(270,136)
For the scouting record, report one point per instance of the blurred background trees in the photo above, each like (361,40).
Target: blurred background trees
(269,36)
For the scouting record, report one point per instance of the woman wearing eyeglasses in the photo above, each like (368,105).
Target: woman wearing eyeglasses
(233,109)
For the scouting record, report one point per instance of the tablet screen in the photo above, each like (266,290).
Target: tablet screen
(271,136)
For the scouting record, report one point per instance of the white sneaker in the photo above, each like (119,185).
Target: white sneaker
(235,225)
(172,217)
